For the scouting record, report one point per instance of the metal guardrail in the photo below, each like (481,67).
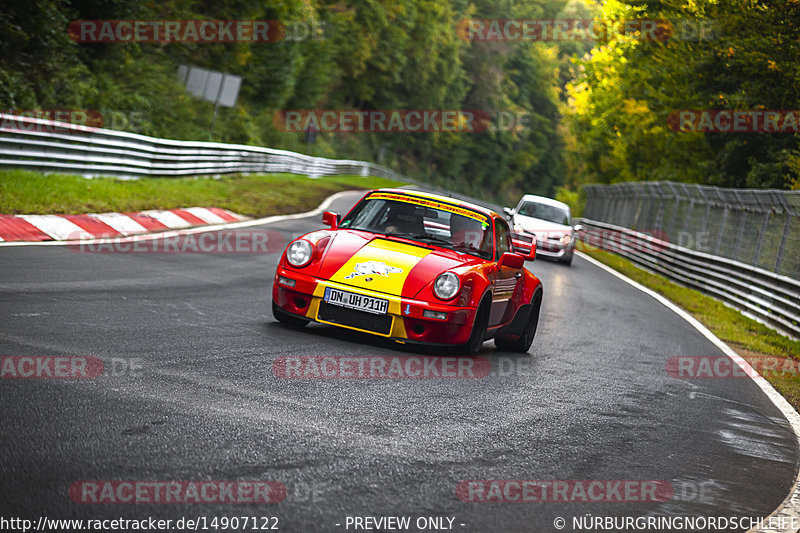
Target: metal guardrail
(752,226)
(48,146)
(765,296)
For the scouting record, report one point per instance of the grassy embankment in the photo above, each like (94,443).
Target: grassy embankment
(24,192)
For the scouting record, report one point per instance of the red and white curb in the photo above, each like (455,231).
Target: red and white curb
(167,217)
(38,228)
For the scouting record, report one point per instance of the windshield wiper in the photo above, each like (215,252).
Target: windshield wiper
(444,243)
(415,236)
(423,237)
(432,238)
(468,248)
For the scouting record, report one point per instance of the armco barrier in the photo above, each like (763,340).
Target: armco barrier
(768,297)
(49,146)
(758,227)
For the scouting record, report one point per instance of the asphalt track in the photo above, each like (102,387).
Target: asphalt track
(591,401)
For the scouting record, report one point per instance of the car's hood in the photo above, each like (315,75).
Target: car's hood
(538,226)
(385,265)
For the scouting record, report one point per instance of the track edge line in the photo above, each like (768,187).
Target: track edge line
(789,509)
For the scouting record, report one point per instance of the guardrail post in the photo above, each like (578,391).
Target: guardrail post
(688,215)
(673,221)
(637,206)
(627,201)
(760,242)
(607,199)
(784,238)
(740,231)
(706,214)
(721,229)
(658,224)
(788,212)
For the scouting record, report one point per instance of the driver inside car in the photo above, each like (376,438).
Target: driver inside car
(467,233)
(403,218)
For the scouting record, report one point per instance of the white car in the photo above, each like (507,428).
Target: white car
(550,221)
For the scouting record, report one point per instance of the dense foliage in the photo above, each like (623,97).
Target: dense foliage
(594,111)
(366,54)
(746,59)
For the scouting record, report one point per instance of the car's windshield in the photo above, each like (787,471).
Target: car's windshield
(423,220)
(551,213)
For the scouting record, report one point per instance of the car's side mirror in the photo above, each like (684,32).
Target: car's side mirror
(331,219)
(524,244)
(578,227)
(508,211)
(511,260)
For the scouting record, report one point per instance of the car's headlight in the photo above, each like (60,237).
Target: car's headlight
(299,253)
(565,239)
(446,286)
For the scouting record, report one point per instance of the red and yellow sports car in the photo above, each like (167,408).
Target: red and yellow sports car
(415,268)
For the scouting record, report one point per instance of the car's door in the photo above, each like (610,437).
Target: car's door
(504,281)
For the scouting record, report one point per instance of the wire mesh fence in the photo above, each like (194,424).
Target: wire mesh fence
(756,227)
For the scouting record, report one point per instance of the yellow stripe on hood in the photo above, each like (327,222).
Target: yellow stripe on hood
(386,263)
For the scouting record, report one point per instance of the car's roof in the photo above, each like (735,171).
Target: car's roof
(544,200)
(445,199)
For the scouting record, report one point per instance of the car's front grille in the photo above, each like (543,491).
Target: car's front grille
(355,319)
(550,246)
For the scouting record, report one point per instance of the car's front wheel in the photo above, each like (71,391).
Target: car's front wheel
(523,343)
(285,318)
(479,326)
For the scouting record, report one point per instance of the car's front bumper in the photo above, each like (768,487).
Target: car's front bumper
(407,321)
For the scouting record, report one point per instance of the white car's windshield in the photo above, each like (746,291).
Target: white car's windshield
(551,213)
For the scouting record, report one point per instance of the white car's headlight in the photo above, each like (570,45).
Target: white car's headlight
(299,253)
(446,286)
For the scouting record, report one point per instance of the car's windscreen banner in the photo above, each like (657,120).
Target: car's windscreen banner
(424,202)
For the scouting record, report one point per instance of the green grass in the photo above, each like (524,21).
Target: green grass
(750,339)
(25,192)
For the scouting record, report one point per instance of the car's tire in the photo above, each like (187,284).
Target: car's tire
(523,343)
(479,326)
(285,318)
(568,260)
